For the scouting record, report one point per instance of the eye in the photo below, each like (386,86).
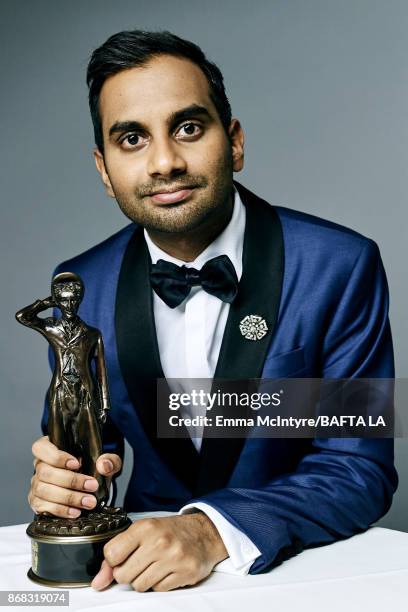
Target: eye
(132,141)
(189,130)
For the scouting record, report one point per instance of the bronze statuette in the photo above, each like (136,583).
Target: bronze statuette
(68,552)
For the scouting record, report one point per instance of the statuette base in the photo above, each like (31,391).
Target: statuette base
(69,552)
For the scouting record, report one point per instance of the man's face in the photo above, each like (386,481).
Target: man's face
(167,160)
(68,297)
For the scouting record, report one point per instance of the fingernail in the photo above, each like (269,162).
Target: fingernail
(107,465)
(74,512)
(87,501)
(90,485)
(72,464)
(103,578)
(99,582)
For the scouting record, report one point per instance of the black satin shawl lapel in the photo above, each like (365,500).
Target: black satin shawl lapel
(258,294)
(139,357)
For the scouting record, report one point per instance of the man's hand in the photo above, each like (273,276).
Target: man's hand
(56,488)
(162,553)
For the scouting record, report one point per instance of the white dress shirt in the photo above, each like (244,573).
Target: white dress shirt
(189,339)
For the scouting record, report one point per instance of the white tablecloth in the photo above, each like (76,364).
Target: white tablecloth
(368,572)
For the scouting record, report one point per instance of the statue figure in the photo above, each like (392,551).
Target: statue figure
(78,396)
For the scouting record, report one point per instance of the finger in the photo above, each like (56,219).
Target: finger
(155,573)
(77,460)
(103,578)
(171,581)
(118,549)
(108,464)
(134,565)
(66,497)
(44,450)
(42,506)
(65,478)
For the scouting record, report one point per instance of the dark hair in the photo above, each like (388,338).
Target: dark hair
(132,48)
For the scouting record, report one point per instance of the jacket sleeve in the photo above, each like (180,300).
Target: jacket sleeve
(344,484)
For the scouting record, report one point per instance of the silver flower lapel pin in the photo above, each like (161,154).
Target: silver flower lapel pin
(253,327)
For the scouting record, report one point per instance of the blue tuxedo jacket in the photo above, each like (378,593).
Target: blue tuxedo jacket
(323,292)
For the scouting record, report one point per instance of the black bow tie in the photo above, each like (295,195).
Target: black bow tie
(173,283)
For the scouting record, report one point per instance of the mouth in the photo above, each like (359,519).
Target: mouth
(171,196)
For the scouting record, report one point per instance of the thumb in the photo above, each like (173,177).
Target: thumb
(103,578)
(109,464)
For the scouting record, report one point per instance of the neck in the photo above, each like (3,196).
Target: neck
(187,246)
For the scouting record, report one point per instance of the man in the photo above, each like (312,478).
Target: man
(166,149)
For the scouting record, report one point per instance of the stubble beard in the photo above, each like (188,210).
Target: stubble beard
(208,200)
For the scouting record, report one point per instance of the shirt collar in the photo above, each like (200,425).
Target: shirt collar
(230,242)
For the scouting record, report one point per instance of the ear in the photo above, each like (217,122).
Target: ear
(100,165)
(236,135)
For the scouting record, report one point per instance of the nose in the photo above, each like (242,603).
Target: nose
(70,303)
(165,159)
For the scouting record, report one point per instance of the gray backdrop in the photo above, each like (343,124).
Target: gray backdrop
(321,89)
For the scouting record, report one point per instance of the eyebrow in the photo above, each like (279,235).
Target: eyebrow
(194,110)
